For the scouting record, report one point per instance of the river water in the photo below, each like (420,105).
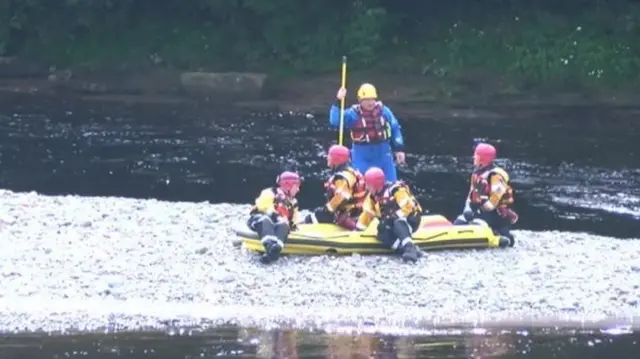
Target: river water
(247,343)
(575,170)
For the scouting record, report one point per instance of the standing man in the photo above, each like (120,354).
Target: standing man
(375,132)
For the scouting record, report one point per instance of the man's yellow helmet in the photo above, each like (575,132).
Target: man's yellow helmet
(367,91)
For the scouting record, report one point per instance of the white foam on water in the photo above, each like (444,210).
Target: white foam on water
(616,203)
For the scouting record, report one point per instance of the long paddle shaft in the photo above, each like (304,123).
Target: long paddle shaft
(343,84)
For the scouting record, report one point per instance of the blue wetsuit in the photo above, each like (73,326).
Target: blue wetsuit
(365,154)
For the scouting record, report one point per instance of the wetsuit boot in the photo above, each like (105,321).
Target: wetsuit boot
(410,252)
(272,249)
(402,229)
(507,239)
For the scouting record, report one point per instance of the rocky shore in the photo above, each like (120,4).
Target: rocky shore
(87,263)
(412,95)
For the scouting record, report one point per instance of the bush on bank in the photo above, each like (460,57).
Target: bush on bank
(581,42)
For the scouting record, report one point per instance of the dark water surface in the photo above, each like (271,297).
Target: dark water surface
(574,170)
(234,343)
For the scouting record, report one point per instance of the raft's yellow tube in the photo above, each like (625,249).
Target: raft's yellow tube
(436,232)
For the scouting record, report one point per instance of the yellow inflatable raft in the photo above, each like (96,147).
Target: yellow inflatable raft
(435,232)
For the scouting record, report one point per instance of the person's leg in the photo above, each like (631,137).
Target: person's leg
(387,164)
(385,234)
(403,230)
(359,157)
(272,250)
(272,235)
(320,215)
(388,231)
(466,216)
(499,226)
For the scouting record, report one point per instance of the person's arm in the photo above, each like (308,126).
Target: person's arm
(367,215)
(397,140)
(405,202)
(265,202)
(296,218)
(341,193)
(497,188)
(334,116)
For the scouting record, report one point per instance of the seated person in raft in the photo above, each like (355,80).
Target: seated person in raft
(345,191)
(275,214)
(490,196)
(397,210)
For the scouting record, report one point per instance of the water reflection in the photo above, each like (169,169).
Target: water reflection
(235,342)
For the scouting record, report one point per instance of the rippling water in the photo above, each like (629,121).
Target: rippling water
(574,170)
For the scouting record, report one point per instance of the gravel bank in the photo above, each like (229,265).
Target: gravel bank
(86,263)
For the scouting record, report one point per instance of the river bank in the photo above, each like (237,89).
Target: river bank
(413,95)
(115,260)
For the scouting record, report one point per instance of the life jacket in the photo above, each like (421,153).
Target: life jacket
(482,178)
(370,126)
(282,204)
(387,204)
(356,186)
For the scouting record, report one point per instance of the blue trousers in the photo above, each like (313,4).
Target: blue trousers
(365,156)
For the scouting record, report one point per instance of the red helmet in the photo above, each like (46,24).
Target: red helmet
(374,179)
(338,155)
(484,154)
(288,180)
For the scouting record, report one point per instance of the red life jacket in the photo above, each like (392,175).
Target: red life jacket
(283,204)
(371,126)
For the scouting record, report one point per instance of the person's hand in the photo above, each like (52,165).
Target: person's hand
(342,93)
(482,189)
(508,214)
(400,158)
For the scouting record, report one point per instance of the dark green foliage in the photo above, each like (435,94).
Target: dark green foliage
(583,42)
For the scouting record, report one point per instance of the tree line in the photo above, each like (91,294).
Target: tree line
(587,39)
